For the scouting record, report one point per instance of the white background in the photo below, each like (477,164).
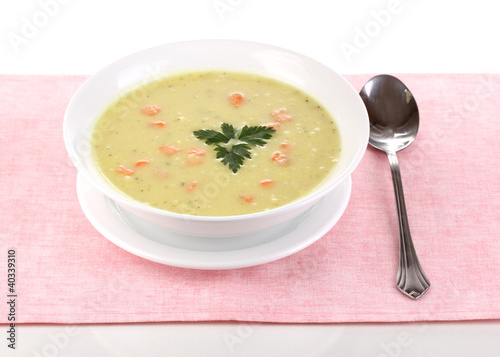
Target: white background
(382,36)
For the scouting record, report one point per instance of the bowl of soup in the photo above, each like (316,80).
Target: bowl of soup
(216,137)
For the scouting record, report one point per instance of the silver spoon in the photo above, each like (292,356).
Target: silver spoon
(394,122)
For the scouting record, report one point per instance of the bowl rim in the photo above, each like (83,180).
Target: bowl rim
(121,198)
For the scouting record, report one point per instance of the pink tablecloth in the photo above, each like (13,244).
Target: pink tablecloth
(69,273)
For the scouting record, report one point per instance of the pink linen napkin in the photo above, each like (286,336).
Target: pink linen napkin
(68,273)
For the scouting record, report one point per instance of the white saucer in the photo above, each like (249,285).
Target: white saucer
(163,246)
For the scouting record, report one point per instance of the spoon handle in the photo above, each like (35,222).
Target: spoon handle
(411,279)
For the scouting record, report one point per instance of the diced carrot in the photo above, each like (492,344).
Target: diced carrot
(275,126)
(277,156)
(236,99)
(150,109)
(169,149)
(266,182)
(247,198)
(195,157)
(286,147)
(142,163)
(280,158)
(125,171)
(197,152)
(281,115)
(190,186)
(194,160)
(158,124)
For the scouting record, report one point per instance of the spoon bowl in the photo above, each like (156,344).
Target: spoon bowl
(393,113)
(394,121)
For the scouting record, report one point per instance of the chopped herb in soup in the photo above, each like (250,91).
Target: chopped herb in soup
(215,144)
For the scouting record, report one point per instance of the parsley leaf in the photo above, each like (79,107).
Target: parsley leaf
(233,146)
(228,130)
(211,137)
(255,135)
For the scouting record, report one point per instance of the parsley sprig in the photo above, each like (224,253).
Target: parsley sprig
(232,145)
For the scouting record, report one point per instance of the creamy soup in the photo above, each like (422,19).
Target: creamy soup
(153,144)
